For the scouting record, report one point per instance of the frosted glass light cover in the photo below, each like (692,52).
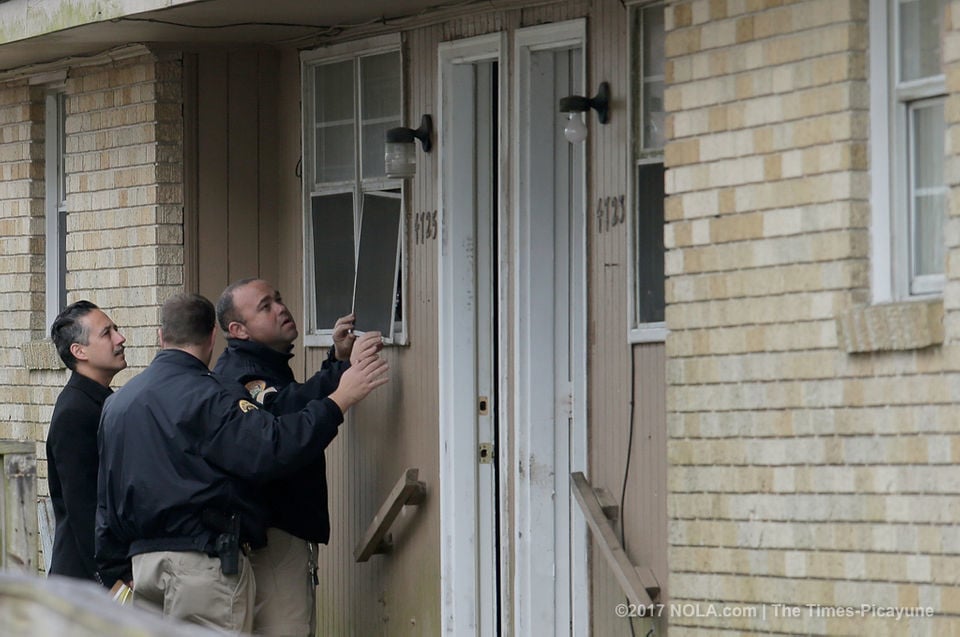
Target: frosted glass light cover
(575,131)
(400,159)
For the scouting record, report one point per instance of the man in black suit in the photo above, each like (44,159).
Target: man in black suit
(92,348)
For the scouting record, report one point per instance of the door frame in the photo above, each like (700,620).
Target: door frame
(461,510)
(526,382)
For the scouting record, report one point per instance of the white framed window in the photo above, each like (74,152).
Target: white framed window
(907,128)
(647,62)
(55,205)
(352,94)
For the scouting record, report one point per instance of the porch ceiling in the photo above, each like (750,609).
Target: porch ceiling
(212,22)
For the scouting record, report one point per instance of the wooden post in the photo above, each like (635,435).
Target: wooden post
(18,506)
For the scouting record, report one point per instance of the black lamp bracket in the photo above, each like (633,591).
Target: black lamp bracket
(407,135)
(599,102)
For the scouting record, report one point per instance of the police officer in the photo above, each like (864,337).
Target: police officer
(260,333)
(183,455)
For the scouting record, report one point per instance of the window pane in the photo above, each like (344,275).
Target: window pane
(380,79)
(648,64)
(919,32)
(333,256)
(929,194)
(335,147)
(333,92)
(62,151)
(378,261)
(653,115)
(334,121)
(649,243)
(653,40)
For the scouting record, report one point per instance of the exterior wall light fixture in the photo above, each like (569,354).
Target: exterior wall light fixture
(400,155)
(576,131)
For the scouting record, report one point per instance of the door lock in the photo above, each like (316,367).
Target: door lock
(486,453)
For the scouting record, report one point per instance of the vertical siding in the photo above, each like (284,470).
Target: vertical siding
(610,355)
(213,172)
(395,428)
(237,168)
(271,169)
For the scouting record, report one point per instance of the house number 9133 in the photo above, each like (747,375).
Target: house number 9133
(611,212)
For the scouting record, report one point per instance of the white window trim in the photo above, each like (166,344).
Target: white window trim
(636,332)
(326,55)
(889,275)
(54,207)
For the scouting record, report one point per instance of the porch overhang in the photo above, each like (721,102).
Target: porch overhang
(37,32)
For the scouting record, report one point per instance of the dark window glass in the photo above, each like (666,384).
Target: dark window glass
(649,242)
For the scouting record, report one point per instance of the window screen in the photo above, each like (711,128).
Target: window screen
(377,263)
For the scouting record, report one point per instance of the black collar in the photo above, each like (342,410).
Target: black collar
(260,351)
(97,392)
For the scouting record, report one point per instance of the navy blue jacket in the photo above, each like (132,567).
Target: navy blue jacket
(298,503)
(72,475)
(177,441)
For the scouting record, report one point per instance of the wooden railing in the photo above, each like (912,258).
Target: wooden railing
(638,583)
(408,490)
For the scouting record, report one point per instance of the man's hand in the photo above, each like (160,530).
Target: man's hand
(343,337)
(367,345)
(360,380)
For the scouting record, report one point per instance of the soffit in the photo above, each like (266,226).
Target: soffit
(216,22)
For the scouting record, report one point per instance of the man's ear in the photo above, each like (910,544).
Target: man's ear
(236,329)
(160,336)
(78,352)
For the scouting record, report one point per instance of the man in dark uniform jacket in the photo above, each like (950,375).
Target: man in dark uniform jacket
(260,333)
(184,454)
(91,347)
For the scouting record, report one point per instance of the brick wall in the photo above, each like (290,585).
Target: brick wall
(21,255)
(800,473)
(123,163)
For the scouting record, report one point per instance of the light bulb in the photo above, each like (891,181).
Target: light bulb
(575,131)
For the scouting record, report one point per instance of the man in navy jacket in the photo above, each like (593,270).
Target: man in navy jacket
(185,455)
(91,347)
(260,333)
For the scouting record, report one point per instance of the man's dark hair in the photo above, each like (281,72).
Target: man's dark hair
(187,319)
(67,329)
(226,310)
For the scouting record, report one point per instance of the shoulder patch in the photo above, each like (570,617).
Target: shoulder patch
(246,405)
(258,390)
(254,387)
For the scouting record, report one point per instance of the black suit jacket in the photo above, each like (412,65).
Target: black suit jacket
(72,464)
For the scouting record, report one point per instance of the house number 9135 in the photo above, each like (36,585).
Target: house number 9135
(424,226)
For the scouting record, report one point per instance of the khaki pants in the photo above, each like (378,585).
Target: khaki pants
(190,586)
(286,597)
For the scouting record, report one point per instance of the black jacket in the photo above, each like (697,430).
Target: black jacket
(178,441)
(72,475)
(298,504)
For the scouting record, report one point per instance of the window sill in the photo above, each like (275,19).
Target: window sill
(326,340)
(906,325)
(648,333)
(41,355)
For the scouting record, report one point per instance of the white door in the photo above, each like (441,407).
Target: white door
(470,335)
(548,423)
